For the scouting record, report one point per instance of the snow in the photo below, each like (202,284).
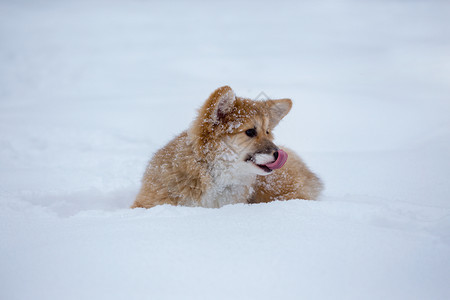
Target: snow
(90,89)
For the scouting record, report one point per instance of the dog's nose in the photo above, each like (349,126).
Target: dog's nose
(275,154)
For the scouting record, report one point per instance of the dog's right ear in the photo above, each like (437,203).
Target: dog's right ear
(212,114)
(219,104)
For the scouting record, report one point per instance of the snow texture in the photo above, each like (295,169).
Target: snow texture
(90,89)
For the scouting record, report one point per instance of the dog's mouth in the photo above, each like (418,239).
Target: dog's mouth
(280,159)
(264,168)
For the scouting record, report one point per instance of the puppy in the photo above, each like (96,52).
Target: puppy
(228,156)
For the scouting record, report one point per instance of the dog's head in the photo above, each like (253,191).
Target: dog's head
(242,127)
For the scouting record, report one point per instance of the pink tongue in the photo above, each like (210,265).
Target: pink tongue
(281,160)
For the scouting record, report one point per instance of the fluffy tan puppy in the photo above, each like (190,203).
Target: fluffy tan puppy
(228,156)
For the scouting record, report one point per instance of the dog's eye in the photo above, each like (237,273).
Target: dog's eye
(251,132)
(267,132)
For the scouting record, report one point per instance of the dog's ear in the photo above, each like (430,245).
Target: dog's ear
(210,115)
(278,109)
(220,103)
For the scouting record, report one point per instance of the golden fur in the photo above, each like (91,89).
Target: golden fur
(213,163)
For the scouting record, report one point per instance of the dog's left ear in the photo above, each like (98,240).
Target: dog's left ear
(279,109)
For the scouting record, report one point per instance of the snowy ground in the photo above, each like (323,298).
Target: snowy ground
(88,90)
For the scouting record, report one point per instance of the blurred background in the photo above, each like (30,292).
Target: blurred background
(89,89)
